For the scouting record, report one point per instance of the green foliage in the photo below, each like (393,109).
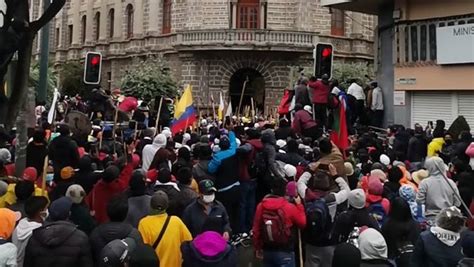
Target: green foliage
(33,80)
(71,82)
(343,72)
(148,79)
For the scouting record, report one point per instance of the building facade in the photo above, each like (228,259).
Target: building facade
(213,44)
(427,63)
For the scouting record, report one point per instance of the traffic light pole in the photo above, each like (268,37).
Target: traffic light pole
(44,57)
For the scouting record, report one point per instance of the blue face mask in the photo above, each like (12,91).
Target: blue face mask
(49,177)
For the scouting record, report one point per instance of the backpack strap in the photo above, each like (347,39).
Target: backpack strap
(162,232)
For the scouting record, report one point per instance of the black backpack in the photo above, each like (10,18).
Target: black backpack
(258,165)
(318,222)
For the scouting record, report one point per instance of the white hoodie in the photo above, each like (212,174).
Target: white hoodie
(149,151)
(21,235)
(372,245)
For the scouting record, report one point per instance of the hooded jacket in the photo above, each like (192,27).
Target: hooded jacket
(138,208)
(149,151)
(58,244)
(373,249)
(269,142)
(21,235)
(319,92)
(8,251)
(435,147)
(200,171)
(63,152)
(247,154)
(435,192)
(208,249)
(225,166)
(294,216)
(103,192)
(302,121)
(107,232)
(437,248)
(86,177)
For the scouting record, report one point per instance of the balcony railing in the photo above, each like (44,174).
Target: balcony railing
(221,39)
(245,37)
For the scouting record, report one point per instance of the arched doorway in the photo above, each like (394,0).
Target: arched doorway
(255,88)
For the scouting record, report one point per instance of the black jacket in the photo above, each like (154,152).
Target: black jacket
(194,216)
(173,198)
(35,154)
(347,220)
(58,244)
(63,152)
(86,177)
(186,196)
(107,232)
(302,95)
(417,148)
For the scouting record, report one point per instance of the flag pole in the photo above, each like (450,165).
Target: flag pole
(158,116)
(253,109)
(242,95)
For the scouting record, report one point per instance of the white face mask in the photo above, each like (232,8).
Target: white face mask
(208,198)
(44,214)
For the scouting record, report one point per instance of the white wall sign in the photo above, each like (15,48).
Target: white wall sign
(455,44)
(399,98)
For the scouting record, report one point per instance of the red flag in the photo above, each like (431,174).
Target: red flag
(285,102)
(339,134)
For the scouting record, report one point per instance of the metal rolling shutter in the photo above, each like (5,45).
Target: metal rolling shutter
(432,106)
(466,107)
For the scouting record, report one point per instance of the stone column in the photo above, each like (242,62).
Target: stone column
(263,4)
(233,7)
(89,22)
(76,22)
(357,19)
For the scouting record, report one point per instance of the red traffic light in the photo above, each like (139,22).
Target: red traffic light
(326,52)
(95,60)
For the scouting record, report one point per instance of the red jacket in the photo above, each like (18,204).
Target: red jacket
(320,92)
(244,162)
(102,192)
(295,216)
(302,120)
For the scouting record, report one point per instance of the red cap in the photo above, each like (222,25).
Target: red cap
(30,174)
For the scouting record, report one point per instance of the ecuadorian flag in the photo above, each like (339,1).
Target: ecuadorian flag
(184,112)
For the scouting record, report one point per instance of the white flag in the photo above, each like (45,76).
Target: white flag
(52,109)
(220,110)
(228,113)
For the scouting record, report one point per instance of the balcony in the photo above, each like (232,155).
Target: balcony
(220,39)
(245,40)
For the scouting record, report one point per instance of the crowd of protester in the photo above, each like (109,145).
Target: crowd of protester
(151,198)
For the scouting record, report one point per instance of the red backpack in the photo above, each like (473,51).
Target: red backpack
(275,231)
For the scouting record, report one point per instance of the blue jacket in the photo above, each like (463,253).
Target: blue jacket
(222,155)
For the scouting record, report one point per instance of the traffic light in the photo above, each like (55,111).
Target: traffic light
(92,67)
(323,60)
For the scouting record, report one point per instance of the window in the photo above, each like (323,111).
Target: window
(432,42)
(69,34)
(111,23)
(337,22)
(248,14)
(166,16)
(129,13)
(83,29)
(407,44)
(423,42)
(97,25)
(57,37)
(414,43)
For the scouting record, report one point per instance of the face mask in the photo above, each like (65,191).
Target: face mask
(208,198)
(44,214)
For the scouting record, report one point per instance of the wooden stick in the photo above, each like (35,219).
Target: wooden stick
(300,248)
(242,96)
(115,128)
(158,116)
(45,173)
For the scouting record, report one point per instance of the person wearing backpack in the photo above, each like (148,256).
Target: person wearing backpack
(320,208)
(274,226)
(377,206)
(353,219)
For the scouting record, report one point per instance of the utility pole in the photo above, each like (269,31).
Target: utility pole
(44,57)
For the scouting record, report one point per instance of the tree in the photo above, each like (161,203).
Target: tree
(16,36)
(149,79)
(344,72)
(33,81)
(71,82)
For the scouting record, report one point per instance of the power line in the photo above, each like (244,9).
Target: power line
(370,29)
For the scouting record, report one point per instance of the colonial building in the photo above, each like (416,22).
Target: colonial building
(426,57)
(212,44)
